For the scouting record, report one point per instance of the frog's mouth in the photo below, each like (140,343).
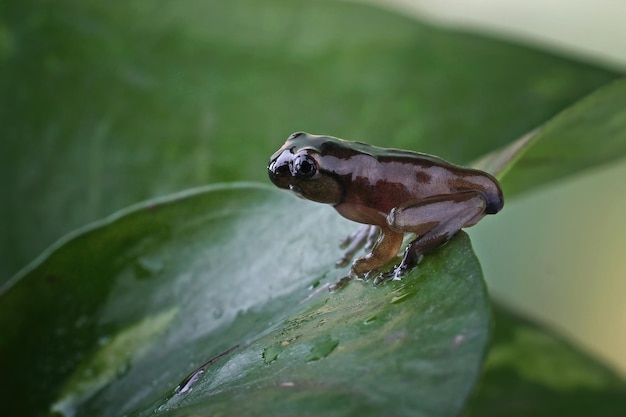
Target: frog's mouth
(297,191)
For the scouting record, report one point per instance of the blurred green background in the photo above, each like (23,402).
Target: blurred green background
(563,261)
(103,106)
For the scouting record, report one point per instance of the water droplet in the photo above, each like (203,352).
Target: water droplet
(218,313)
(122,369)
(458,339)
(403,296)
(103,340)
(322,348)
(81,321)
(314,285)
(270,353)
(187,384)
(146,267)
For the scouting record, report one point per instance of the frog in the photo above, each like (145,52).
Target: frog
(392,193)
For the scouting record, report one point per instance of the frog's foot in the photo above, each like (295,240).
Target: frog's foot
(397,272)
(394,274)
(363,237)
(383,277)
(350,277)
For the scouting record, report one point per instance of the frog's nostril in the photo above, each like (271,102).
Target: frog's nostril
(278,169)
(295,135)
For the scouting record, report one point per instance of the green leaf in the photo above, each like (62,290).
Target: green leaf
(588,134)
(529,371)
(223,293)
(105,104)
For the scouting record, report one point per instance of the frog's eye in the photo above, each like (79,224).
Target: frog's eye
(304,166)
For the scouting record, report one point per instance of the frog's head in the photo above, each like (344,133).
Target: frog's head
(297,166)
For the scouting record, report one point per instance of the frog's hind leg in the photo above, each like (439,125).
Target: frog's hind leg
(434,220)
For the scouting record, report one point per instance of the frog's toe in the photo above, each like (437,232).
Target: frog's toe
(340,283)
(394,274)
(369,275)
(391,275)
(373,233)
(343,261)
(383,277)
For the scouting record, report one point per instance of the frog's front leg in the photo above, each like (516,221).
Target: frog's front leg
(434,220)
(385,249)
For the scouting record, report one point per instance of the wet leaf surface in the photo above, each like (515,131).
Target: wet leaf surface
(129,309)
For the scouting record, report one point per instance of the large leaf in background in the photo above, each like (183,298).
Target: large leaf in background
(531,372)
(104,104)
(112,318)
(588,134)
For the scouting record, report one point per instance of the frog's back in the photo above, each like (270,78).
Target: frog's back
(432,175)
(389,177)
